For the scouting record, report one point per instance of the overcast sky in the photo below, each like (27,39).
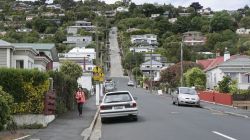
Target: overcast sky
(214,4)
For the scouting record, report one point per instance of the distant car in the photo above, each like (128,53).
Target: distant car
(109,86)
(130,83)
(185,96)
(118,104)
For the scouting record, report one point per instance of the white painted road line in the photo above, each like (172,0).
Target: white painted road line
(22,137)
(225,136)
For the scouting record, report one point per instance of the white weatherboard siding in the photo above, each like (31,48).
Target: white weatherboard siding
(85,81)
(214,76)
(3,57)
(8,58)
(26,60)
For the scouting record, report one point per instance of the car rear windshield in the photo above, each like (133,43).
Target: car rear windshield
(188,91)
(117,97)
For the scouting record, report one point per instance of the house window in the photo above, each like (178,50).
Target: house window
(19,64)
(147,66)
(233,75)
(89,68)
(245,78)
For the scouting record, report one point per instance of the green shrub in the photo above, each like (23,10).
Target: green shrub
(6,101)
(27,88)
(65,87)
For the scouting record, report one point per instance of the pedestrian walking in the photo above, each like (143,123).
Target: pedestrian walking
(80,98)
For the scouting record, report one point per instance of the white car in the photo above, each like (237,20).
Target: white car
(185,96)
(118,104)
(130,83)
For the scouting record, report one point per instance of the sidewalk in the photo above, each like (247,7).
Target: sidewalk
(226,109)
(68,126)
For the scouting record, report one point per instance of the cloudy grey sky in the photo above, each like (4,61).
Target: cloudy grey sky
(214,4)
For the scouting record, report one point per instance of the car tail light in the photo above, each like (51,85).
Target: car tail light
(102,107)
(134,104)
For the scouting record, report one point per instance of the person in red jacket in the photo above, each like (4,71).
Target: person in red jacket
(80,98)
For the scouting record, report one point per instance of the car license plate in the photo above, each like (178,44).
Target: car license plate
(118,107)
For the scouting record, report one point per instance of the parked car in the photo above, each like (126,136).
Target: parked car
(185,96)
(109,86)
(118,104)
(130,83)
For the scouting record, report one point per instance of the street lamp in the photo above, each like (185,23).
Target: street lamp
(151,76)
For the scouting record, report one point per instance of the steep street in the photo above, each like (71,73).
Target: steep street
(116,67)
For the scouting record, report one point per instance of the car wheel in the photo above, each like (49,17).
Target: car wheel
(103,120)
(173,102)
(135,118)
(178,103)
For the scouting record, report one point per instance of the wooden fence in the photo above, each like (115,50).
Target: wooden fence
(50,103)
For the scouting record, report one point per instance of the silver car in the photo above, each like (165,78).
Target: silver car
(185,96)
(118,104)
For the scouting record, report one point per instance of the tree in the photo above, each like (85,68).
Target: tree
(182,24)
(224,84)
(71,69)
(221,21)
(40,24)
(196,6)
(195,77)
(245,22)
(132,60)
(172,74)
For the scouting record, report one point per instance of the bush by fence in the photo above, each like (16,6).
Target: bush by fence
(65,87)
(27,87)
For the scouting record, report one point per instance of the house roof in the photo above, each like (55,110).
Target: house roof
(48,48)
(153,63)
(235,60)
(4,44)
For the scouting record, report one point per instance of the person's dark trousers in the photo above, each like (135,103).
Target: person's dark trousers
(80,108)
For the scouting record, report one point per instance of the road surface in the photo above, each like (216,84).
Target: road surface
(160,120)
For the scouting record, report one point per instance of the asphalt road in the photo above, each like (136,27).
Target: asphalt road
(115,58)
(160,120)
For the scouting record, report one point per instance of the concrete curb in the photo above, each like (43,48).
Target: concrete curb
(218,104)
(86,133)
(227,112)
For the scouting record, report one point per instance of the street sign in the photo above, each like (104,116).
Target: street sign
(97,69)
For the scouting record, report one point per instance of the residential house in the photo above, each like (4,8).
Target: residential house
(194,38)
(151,39)
(3,33)
(47,49)
(172,20)
(110,14)
(142,49)
(77,39)
(166,14)
(155,57)
(122,9)
(22,56)
(243,31)
(54,6)
(205,11)
(184,14)
(80,55)
(30,17)
(154,16)
(236,66)
(156,68)
(80,25)
(48,14)
(55,21)
(20,6)
(129,30)
(24,30)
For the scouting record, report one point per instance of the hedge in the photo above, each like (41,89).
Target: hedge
(27,88)
(65,87)
(6,101)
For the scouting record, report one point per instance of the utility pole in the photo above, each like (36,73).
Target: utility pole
(151,76)
(181,64)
